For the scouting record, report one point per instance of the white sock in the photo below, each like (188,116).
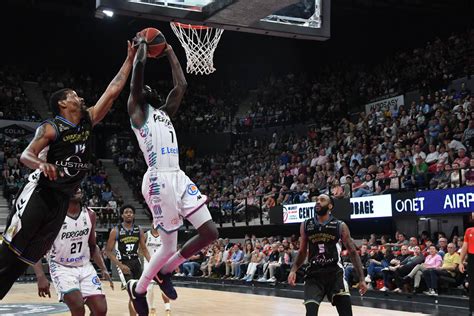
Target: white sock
(167,306)
(173,263)
(149,295)
(158,260)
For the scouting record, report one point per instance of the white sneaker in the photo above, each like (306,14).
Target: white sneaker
(272,279)
(397,290)
(368,279)
(427,292)
(434,293)
(262,279)
(384,289)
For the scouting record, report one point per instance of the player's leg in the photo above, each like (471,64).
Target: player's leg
(91,289)
(150,293)
(312,308)
(167,303)
(338,293)
(11,267)
(75,302)
(313,295)
(343,305)
(29,232)
(97,305)
(206,234)
(137,289)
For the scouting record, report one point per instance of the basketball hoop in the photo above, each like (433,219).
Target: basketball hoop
(199,42)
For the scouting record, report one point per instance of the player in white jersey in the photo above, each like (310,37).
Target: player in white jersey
(72,273)
(169,193)
(153,243)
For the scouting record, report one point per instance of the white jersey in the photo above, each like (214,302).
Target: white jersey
(157,140)
(71,246)
(152,243)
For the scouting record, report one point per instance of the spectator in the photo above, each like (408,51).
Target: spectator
(450,265)
(432,261)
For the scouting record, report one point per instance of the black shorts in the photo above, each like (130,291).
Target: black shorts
(35,221)
(135,269)
(327,284)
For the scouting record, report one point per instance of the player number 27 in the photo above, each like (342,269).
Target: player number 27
(76,245)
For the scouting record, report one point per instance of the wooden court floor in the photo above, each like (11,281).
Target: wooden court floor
(200,302)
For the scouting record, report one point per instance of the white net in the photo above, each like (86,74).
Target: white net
(199,42)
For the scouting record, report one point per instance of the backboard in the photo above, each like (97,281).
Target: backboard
(300,19)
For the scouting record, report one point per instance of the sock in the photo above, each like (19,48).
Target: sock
(158,260)
(167,306)
(173,263)
(149,295)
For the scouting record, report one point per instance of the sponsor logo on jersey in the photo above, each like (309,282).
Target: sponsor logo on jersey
(157,210)
(95,280)
(169,150)
(77,233)
(162,119)
(192,189)
(149,145)
(152,159)
(144,131)
(72,260)
(154,189)
(155,200)
(72,165)
(79,137)
(175,221)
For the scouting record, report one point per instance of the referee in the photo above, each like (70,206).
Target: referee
(468,248)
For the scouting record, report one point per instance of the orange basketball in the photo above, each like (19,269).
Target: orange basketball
(155,40)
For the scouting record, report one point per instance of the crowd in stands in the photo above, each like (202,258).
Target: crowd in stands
(14,104)
(299,98)
(415,264)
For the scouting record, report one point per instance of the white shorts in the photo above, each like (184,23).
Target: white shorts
(68,279)
(172,196)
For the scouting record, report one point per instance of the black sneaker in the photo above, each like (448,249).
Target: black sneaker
(138,300)
(166,286)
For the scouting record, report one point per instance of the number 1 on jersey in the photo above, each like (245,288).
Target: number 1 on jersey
(172,136)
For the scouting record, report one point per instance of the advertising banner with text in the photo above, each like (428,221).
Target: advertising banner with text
(392,103)
(434,202)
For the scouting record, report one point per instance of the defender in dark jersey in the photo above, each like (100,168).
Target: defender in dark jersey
(324,275)
(127,239)
(60,155)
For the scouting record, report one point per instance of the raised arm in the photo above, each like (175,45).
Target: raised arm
(136,99)
(179,81)
(300,258)
(45,134)
(95,251)
(102,107)
(355,258)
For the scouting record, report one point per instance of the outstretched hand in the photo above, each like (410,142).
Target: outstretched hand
(131,50)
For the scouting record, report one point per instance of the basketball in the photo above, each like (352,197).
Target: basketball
(155,40)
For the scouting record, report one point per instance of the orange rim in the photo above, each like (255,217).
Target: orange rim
(190,26)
